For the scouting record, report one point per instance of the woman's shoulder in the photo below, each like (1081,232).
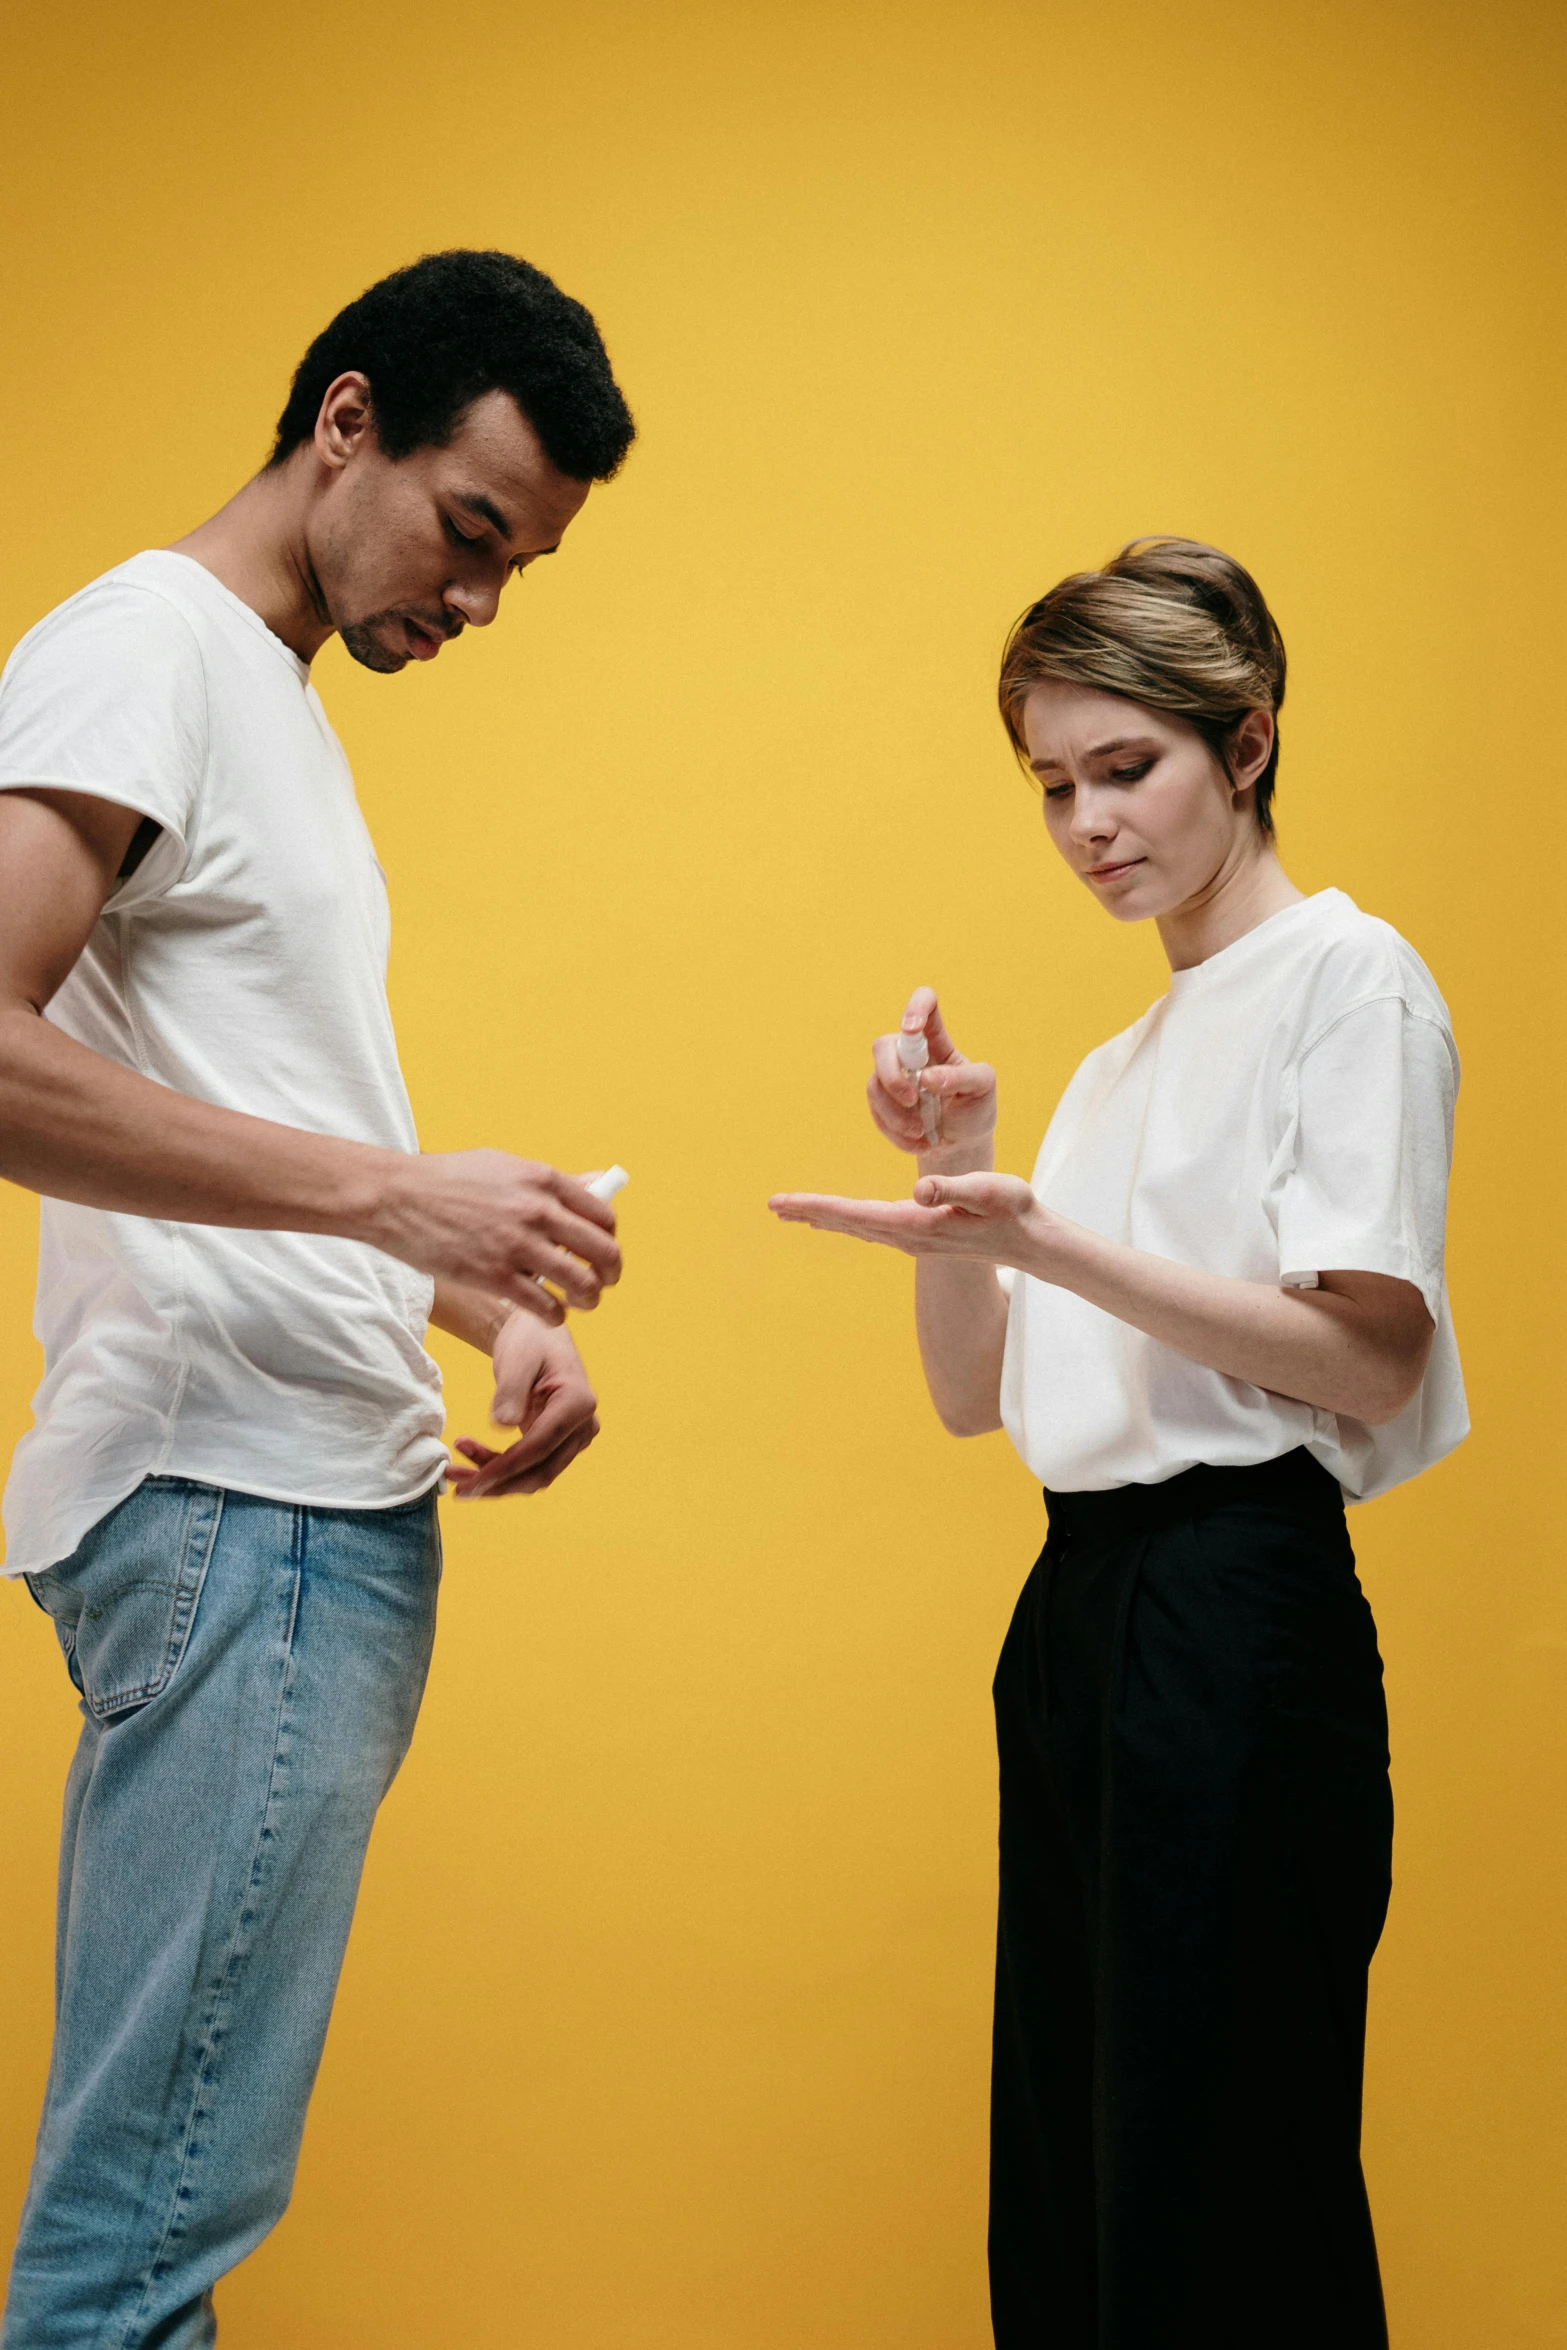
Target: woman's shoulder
(1349,958)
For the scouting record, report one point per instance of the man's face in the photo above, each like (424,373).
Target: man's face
(405,555)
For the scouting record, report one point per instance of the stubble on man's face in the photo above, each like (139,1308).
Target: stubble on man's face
(364,643)
(389,541)
(380,540)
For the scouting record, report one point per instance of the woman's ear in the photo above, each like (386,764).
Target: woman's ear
(1250,748)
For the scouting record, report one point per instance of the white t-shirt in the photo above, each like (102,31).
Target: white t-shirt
(244,963)
(1286,1110)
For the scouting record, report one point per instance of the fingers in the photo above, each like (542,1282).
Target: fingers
(494,1473)
(936,1191)
(890,1074)
(984,1195)
(923,1011)
(573,1256)
(535,1261)
(960,1080)
(894,1223)
(562,1414)
(918,1010)
(502,1224)
(574,1192)
(588,1238)
(894,1093)
(894,1104)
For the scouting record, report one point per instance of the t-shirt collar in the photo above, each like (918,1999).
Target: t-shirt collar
(1258,940)
(213,586)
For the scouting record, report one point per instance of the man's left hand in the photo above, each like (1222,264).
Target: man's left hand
(541,1390)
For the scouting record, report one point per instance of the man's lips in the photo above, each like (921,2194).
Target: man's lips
(423,642)
(1113,872)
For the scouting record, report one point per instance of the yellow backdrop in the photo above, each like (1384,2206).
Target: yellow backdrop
(665,2018)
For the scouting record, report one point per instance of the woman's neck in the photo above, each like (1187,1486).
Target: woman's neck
(1240,895)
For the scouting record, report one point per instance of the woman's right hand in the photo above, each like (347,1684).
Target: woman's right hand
(965,1091)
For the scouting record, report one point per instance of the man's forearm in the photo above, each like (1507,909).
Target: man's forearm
(473,1315)
(80,1127)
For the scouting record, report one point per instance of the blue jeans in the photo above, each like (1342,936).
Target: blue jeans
(250,1673)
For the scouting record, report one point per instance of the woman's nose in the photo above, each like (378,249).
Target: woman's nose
(1091,816)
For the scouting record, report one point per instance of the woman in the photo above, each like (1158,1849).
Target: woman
(1215,1314)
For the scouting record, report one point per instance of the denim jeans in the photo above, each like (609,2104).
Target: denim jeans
(250,1673)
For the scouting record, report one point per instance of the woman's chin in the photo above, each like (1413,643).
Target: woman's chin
(1135,897)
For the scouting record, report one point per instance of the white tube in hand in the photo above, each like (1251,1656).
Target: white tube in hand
(913,1056)
(606,1185)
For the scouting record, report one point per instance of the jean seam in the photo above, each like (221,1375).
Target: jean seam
(234,1961)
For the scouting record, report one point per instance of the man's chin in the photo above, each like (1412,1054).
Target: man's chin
(362,644)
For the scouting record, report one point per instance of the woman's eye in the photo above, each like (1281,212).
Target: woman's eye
(1058,791)
(1133,774)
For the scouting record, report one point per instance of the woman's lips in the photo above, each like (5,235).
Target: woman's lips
(1113,872)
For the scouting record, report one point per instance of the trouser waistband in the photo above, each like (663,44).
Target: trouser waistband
(1295,1481)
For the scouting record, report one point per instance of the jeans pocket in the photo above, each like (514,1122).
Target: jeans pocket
(123,1604)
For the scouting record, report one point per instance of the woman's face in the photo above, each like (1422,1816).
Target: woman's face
(1136,802)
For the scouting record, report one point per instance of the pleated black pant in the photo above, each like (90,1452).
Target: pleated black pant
(1196,1838)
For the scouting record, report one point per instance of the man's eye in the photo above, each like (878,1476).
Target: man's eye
(459,538)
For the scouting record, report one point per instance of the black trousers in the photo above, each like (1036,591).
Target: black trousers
(1196,1840)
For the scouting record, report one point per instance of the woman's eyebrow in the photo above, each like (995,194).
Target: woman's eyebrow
(1120,742)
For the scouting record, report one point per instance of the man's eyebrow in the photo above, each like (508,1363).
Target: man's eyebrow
(1120,742)
(475,502)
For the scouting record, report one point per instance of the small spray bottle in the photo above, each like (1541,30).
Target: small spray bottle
(606,1185)
(913,1056)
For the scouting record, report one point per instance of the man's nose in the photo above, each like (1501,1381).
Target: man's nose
(472,602)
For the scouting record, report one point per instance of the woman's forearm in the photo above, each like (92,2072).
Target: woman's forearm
(1357,1344)
(960,1315)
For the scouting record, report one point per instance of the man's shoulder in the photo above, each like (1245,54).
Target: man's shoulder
(131,612)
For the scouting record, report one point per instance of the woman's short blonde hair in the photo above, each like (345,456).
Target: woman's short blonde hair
(1169,623)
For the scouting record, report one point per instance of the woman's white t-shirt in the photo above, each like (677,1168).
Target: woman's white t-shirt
(1286,1110)
(243,963)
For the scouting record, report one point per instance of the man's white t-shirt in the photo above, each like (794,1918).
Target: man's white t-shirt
(1286,1110)
(244,963)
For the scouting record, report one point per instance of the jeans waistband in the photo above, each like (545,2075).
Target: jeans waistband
(1296,1481)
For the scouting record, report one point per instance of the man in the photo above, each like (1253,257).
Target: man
(227,1503)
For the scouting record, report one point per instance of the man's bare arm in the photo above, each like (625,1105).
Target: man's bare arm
(78,1126)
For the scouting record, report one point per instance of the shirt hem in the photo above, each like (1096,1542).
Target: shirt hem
(12,1570)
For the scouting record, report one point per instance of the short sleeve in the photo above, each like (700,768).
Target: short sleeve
(1364,1182)
(107,696)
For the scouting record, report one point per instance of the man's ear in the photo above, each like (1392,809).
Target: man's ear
(346,423)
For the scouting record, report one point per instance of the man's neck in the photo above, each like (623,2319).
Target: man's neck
(256,546)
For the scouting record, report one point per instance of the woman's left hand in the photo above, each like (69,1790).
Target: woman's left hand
(993,1217)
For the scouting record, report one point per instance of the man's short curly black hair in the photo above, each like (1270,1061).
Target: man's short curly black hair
(437,335)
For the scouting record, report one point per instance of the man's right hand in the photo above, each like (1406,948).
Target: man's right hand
(501,1224)
(78,1126)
